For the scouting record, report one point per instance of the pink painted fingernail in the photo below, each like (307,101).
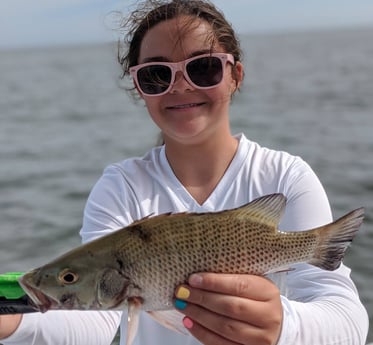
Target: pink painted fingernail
(188,323)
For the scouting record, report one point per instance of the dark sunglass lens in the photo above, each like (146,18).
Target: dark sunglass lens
(154,79)
(206,71)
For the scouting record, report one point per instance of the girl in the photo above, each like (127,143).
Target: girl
(184,59)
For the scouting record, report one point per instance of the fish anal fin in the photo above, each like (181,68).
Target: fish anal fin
(170,319)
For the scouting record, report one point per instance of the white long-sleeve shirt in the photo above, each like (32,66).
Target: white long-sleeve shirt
(320,307)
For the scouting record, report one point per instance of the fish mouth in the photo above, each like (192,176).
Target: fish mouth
(39,300)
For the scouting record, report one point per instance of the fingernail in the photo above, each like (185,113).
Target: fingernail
(182,292)
(188,323)
(195,280)
(179,304)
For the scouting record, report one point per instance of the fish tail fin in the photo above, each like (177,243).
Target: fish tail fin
(335,238)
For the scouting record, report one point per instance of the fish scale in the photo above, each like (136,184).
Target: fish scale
(211,242)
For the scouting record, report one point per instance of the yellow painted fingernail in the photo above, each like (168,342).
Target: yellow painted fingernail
(182,293)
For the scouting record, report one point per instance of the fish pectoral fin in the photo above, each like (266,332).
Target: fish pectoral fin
(170,319)
(280,270)
(134,308)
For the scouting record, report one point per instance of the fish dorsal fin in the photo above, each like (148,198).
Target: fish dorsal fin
(267,209)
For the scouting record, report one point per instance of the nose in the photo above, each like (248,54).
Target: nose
(181,84)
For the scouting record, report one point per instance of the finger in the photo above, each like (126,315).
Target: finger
(208,326)
(249,311)
(247,286)
(204,335)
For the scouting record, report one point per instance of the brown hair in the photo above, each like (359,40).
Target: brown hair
(151,12)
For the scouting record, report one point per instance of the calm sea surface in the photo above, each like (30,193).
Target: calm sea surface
(63,118)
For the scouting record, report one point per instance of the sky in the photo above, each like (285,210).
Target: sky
(51,22)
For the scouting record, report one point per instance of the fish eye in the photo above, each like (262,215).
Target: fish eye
(68,277)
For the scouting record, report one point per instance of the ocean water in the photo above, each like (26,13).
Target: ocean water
(63,118)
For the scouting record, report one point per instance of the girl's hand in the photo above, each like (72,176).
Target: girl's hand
(227,309)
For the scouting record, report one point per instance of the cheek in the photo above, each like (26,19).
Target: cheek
(227,88)
(152,104)
(221,94)
(154,108)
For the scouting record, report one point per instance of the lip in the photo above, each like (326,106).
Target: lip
(185,106)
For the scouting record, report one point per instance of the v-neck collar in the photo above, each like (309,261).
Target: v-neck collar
(219,191)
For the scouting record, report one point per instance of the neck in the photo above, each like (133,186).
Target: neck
(200,167)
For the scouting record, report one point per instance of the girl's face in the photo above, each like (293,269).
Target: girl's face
(186,114)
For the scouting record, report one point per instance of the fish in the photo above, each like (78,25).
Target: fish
(139,267)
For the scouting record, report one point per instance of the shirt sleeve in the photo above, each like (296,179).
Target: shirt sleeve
(66,328)
(319,307)
(103,214)
(323,308)
(111,205)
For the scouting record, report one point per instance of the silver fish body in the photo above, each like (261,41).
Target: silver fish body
(143,263)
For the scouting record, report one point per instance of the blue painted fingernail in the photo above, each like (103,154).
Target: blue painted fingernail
(179,304)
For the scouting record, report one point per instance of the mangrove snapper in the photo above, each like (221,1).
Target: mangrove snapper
(140,265)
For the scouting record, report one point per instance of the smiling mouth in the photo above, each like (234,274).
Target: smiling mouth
(186,106)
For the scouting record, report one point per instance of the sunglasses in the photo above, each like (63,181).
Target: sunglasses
(202,72)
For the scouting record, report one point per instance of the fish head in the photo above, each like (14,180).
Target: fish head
(77,283)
